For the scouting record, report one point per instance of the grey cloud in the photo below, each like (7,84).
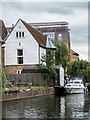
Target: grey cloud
(37,7)
(79,33)
(50,7)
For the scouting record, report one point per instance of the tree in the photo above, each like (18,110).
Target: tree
(88,74)
(3,80)
(62,56)
(49,71)
(78,69)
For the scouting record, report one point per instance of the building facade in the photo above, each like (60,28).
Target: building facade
(35,38)
(58,31)
(24,46)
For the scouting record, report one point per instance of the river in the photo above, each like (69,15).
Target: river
(51,106)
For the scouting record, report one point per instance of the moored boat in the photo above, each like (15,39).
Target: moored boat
(76,85)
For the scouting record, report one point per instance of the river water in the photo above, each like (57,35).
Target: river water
(51,106)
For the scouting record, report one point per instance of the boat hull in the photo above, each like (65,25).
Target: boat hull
(76,90)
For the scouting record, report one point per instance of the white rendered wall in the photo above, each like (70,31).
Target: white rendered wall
(28,44)
(42,52)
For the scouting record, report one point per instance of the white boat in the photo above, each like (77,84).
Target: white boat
(76,85)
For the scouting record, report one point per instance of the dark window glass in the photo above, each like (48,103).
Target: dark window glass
(20,52)
(20,60)
(16,34)
(19,34)
(22,34)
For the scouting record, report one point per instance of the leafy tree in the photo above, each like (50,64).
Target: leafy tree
(49,70)
(88,74)
(3,80)
(62,56)
(79,68)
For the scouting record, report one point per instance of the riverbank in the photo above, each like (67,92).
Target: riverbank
(74,106)
(33,92)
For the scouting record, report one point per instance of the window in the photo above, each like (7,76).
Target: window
(77,82)
(19,71)
(20,60)
(19,34)
(20,52)
(19,56)
(16,34)
(22,34)
(59,37)
(50,34)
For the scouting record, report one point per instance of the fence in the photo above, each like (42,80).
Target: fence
(36,79)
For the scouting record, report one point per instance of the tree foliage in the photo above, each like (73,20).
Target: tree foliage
(48,70)
(79,69)
(3,80)
(62,56)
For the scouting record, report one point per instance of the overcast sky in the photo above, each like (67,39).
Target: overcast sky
(75,13)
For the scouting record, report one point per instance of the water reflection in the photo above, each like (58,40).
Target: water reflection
(69,106)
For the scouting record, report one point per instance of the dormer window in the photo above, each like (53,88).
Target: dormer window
(19,34)
(22,34)
(16,34)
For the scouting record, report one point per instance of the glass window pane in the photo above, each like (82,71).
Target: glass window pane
(16,34)
(19,34)
(20,60)
(20,52)
(22,34)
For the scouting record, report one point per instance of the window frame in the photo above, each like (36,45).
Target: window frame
(60,36)
(20,57)
(20,34)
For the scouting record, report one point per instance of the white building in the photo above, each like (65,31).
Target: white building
(1,50)
(24,46)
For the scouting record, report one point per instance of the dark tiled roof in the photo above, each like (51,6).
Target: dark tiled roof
(3,30)
(41,39)
(1,41)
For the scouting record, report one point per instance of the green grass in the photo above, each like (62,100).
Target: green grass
(38,86)
(18,88)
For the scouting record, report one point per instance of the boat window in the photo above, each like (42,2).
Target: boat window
(75,85)
(68,85)
(73,79)
(77,82)
(76,79)
(70,82)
